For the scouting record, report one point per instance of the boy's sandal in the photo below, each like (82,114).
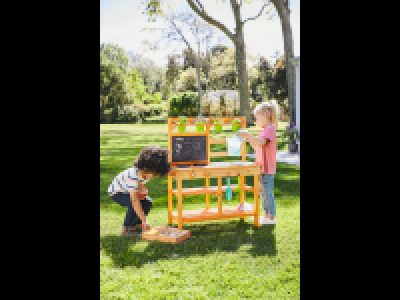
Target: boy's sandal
(132,233)
(135,231)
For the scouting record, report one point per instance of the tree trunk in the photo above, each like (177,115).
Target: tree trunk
(242,75)
(102,118)
(114,111)
(198,79)
(283,10)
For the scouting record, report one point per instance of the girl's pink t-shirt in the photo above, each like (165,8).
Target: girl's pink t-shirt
(266,155)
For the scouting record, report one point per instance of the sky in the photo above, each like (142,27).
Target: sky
(121,22)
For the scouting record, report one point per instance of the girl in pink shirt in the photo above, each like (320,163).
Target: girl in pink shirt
(266,115)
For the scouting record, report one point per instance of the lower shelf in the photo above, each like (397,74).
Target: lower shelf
(210,190)
(212,214)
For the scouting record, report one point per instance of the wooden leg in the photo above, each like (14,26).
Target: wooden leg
(207,195)
(256,206)
(219,196)
(180,204)
(169,200)
(243,193)
(241,189)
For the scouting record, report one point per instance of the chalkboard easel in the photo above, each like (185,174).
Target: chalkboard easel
(189,149)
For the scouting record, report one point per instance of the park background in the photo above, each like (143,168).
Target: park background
(222,259)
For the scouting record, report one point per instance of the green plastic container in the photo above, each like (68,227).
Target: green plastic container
(200,128)
(182,127)
(235,127)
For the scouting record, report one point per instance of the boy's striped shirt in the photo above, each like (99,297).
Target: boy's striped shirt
(125,181)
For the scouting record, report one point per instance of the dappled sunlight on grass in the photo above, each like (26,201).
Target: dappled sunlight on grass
(231,256)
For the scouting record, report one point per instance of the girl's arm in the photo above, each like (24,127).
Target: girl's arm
(256,141)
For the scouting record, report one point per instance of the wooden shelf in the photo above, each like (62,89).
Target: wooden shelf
(214,154)
(210,190)
(212,214)
(218,141)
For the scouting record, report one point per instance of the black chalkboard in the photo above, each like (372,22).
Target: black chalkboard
(189,148)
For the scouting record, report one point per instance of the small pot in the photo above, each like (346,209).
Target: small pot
(293,148)
(200,128)
(235,127)
(181,128)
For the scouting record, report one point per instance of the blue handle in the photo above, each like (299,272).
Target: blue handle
(228,189)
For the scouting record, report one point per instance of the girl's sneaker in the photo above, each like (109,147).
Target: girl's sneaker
(267,221)
(264,221)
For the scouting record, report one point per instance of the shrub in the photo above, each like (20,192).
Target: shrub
(185,103)
(107,116)
(155,109)
(141,112)
(129,114)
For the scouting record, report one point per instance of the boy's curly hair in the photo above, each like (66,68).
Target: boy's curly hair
(154,159)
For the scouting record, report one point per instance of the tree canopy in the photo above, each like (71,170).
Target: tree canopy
(114,87)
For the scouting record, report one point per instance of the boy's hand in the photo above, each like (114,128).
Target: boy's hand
(146,227)
(142,189)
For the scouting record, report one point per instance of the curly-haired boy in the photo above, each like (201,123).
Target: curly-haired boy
(127,188)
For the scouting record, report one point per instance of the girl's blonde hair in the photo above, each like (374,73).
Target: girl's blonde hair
(271,108)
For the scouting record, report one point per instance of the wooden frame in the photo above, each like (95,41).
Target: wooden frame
(207,172)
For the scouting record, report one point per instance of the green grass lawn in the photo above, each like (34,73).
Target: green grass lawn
(222,259)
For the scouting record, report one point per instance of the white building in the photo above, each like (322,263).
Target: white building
(214,95)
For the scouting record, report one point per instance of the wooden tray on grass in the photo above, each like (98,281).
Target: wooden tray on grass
(166,235)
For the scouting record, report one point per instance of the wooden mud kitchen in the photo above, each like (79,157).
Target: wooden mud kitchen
(193,150)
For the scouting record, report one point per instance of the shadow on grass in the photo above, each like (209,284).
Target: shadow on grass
(206,238)
(129,132)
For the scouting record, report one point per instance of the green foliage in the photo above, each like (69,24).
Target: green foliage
(223,70)
(121,86)
(116,55)
(140,113)
(291,134)
(171,76)
(152,76)
(152,9)
(279,89)
(185,103)
(188,80)
(129,114)
(156,98)
(114,87)
(138,88)
(270,83)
